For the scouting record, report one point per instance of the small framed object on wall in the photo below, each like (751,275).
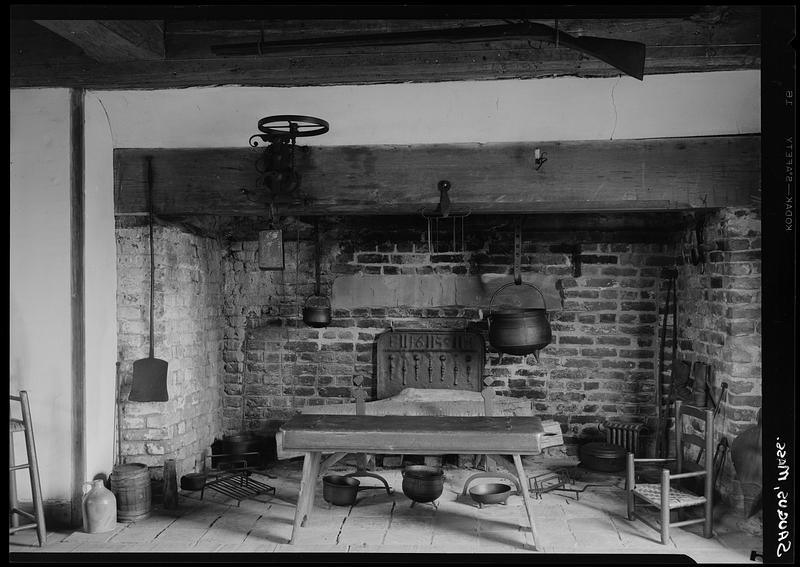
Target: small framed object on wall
(270,249)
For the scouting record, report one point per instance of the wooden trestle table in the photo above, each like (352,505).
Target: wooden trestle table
(407,435)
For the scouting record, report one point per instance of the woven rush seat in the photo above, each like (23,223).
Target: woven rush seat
(678,498)
(15,425)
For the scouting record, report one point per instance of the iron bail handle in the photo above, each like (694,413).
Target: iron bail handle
(495,474)
(502,287)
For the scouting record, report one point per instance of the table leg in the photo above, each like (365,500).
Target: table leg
(330,461)
(523,481)
(308,484)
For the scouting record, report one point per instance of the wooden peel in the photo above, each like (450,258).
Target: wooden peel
(150,374)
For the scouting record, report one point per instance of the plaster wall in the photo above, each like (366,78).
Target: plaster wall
(100,284)
(565,108)
(40,332)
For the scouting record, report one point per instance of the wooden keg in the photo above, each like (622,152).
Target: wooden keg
(130,483)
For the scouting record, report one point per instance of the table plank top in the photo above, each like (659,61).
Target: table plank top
(413,434)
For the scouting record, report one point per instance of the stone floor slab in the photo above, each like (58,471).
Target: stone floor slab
(366,522)
(180,534)
(358,536)
(61,547)
(136,535)
(741,541)
(719,556)
(95,538)
(390,549)
(413,538)
(508,538)
(223,536)
(322,548)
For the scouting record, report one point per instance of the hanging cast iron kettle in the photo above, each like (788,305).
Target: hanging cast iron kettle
(520,331)
(317,315)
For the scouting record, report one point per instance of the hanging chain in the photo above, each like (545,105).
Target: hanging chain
(296,303)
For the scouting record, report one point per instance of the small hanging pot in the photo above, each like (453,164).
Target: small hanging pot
(317,309)
(519,331)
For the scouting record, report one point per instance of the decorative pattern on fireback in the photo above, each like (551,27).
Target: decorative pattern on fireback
(427,358)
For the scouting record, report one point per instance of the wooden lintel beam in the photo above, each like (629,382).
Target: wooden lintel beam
(364,69)
(592,176)
(112,41)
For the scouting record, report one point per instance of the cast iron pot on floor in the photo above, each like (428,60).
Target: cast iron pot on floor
(603,457)
(193,481)
(422,483)
(245,446)
(340,490)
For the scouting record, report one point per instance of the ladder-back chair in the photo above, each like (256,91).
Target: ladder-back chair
(680,489)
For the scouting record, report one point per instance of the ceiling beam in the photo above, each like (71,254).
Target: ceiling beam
(480,64)
(40,58)
(497,178)
(113,41)
(355,11)
(637,226)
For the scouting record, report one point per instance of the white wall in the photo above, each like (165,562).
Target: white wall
(566,108)
(40,333)
(100,289)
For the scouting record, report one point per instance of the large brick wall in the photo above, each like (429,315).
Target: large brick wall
(719,322)
(188,329)
(599,366)
(240,355)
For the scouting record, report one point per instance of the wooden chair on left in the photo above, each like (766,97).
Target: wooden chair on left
(37,518)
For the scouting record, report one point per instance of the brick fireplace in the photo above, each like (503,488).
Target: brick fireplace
(240,357)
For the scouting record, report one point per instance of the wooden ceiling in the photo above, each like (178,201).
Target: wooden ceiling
(156,47)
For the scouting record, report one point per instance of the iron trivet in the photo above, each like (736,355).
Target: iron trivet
(559,480)
(236,482)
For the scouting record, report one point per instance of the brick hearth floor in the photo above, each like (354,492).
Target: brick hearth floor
(593,523)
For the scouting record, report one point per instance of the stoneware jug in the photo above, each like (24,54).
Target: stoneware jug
(99,508)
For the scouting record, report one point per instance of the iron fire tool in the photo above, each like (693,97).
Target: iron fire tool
(558,480)
(663,404)
(717,406)
(234,480)
(443,211)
